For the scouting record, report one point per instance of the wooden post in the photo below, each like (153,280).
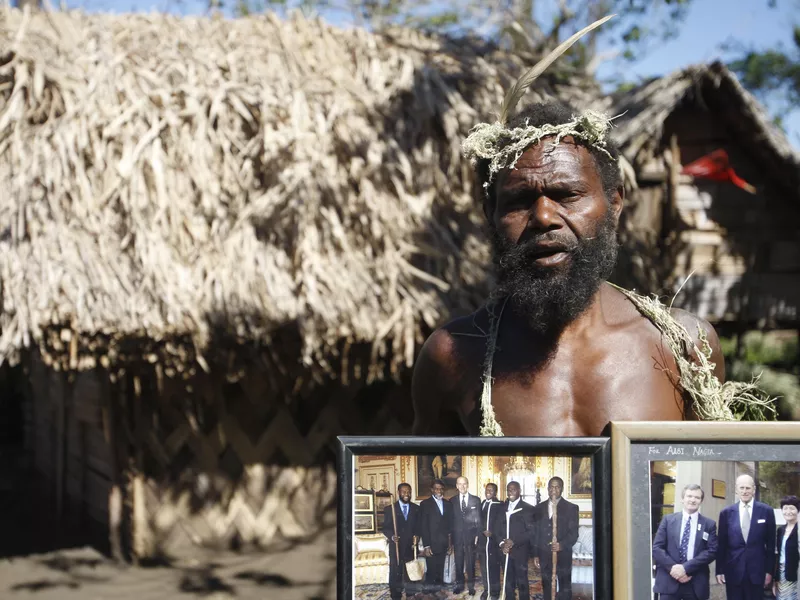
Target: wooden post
(140,530)
(115,496)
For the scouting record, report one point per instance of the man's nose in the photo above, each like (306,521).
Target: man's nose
(543,215)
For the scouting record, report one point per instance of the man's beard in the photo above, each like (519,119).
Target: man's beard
(551,298)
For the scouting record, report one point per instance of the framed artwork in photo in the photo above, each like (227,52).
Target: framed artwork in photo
(364,500)
(698,494)
(489,477)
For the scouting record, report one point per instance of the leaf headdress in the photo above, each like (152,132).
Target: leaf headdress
(502,146)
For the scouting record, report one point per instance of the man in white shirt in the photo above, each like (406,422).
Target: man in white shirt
(746,555)
(466,528)
(566,528)
(684,547)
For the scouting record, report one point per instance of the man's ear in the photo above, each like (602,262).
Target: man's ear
(616,203)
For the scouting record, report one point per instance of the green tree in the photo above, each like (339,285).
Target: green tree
(534,26)
(773,74)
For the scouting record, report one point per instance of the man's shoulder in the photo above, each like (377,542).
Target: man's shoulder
(457,340)
(764,506)
(707,520)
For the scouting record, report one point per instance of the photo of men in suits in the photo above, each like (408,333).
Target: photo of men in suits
(566,529)
(516,532)
(435,530)
(406,519)
(466,528)
(746,547)
(684,547)
(489,554)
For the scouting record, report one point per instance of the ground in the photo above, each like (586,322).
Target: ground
(42,560)
(302,572)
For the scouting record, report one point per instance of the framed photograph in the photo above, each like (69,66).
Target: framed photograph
(383,499)
(718,488)
(519,469)
(364,523)
(670,478)
(580,477)
(364,501)
(436,466)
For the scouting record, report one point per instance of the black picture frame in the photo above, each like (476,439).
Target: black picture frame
(598,448)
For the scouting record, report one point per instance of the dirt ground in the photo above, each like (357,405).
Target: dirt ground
(303,572)
(42,560)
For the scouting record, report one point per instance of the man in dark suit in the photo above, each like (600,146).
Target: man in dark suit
(516,532)
(566,536)
(466,527)
(746,549)
(684,547)
(492,515)
(435,529)
(406,516)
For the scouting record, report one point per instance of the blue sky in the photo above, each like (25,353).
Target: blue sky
(709,25)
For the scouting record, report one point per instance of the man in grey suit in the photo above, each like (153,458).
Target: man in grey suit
(684,547)
(466,528)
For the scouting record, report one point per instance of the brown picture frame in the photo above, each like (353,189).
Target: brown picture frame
(718,489)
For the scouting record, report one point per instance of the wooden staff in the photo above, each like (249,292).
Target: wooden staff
(555,554)
(505,571)
(396,541)
(488,541)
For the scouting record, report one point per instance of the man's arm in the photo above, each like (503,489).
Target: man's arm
(388,524)
(434,384)
(722,543)
(571,537)
(660,556)
(707,556)
(769,550)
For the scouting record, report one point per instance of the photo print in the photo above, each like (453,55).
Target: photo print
(472,517)
(710,517)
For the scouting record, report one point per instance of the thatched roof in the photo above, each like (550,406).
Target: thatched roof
(167,179)
(715,88)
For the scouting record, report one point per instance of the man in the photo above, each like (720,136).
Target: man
(566,526)
(406,516)
(746,554)
(466,527)
(435,529)
(515,533)
(564,350)
(684,547)
(492,515)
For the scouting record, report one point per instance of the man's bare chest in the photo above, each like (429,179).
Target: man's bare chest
(577,391)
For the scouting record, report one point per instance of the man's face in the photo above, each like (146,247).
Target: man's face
(553,232)
(745,487)
(554,489)
(405,493)
(512,491)
(461,485)
(437,490)
(490,492)
(692,499)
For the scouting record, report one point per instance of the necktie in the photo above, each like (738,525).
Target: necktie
(405,511)
(746,521)
(684,551)
(463,504)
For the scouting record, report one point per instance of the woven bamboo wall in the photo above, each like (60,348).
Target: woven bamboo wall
(225,464)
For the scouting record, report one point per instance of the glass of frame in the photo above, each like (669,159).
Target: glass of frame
(666,473)
(473,529)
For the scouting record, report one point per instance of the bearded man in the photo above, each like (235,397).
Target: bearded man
(561,351)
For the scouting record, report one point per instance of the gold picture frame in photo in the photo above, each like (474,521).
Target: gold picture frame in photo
(677,455)
(364,501)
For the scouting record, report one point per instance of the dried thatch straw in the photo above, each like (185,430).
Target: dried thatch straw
(166,176)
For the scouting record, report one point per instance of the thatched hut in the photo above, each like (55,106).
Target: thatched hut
(741,249)
(222,243)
